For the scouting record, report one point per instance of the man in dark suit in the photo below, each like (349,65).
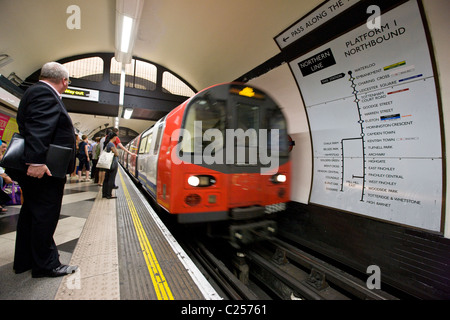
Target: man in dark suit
(42,120)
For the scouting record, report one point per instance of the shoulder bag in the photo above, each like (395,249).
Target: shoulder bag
(105,160)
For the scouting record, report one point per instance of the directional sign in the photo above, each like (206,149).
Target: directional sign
(317,17)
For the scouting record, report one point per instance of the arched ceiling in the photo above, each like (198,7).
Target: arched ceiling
(204,41)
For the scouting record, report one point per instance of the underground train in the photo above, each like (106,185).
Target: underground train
(222,155)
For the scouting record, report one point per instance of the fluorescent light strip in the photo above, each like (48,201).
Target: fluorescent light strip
(127,25)
(122,84)
(128,112)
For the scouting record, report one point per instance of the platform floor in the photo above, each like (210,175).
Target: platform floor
(123,250)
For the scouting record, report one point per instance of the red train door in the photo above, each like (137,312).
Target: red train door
(244,182)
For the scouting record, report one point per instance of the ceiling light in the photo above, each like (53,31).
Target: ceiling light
(127,113)
(128,15)
(127,26)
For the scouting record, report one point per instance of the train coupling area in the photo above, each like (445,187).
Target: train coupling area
(247,233)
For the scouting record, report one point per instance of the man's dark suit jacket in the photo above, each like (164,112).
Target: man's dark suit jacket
(43,120)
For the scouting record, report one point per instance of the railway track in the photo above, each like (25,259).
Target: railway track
(271,269)
(294,274)
(281,271)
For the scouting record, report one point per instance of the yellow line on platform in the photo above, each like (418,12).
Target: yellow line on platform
(162,289)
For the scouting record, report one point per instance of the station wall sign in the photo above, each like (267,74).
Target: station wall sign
(372,105)
(316,18)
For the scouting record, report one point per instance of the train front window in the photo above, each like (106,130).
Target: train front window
(204,120)
(247,117)
(247,125)
(276,120)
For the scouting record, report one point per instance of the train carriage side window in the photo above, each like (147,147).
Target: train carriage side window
(203,115)
(143,145)
(134,145)
(158,139)
(149,142)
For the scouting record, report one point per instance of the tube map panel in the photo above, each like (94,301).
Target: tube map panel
(370,96)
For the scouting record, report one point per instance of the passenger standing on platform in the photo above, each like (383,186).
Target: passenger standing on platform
(75,167)
(101,172)
(83,157)
(118,145)
(95,155)
(110,175)
(42,120)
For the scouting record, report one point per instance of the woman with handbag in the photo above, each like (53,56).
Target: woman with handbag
(110,175)
(83,157)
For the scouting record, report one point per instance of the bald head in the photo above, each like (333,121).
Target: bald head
(54,71)
(55,74)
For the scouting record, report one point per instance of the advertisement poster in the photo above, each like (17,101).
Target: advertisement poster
(8,126)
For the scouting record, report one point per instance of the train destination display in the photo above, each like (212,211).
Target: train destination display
(370,97)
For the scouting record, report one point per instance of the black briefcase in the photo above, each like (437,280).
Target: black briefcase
(12,159)
(58,157)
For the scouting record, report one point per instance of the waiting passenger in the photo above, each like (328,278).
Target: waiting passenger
(119,144)
(95,154)
(74,173)
(101,172)
(42,119)
(83,156)
(110,175)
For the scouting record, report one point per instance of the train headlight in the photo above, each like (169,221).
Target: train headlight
(193,181)
(201,181)
(279,178)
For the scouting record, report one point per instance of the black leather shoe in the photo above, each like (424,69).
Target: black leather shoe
(60,271)
(112,197)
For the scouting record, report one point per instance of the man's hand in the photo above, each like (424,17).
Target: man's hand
(38,171)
